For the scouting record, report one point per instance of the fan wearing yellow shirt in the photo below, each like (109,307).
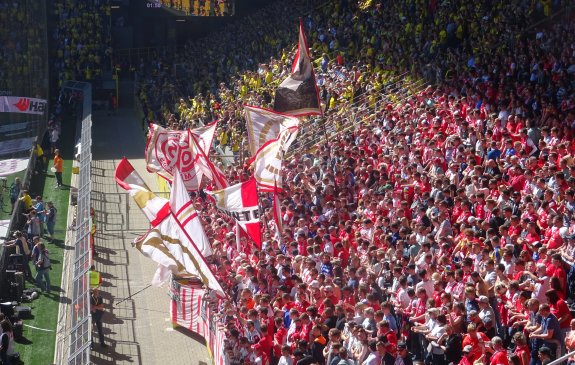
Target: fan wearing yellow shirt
(26,199)
(39,153)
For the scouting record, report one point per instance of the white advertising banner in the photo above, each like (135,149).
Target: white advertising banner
(12,165)
(21,104)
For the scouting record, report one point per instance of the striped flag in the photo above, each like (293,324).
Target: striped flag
(186,308)
(206,166)
(191,309)
(154,207)
(264,125)
(298,95)
(183,209)
(170,247)
(167,243)
(240,201)
(204,136)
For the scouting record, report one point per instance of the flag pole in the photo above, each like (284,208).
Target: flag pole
(238,238)
(262,213)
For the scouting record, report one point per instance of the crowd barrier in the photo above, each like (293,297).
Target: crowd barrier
(75,323)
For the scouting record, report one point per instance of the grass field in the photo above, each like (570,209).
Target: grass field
(38,346)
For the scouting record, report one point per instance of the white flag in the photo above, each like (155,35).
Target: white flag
(183,209)
(169,150)
(204,136)
(268,161)
(240,201)
(264,125)
(169,246)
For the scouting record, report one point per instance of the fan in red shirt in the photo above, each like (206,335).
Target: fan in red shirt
(391,336)
(559,309)
(499,356)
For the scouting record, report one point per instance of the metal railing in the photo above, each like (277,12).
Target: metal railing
(314,132)
(80,324)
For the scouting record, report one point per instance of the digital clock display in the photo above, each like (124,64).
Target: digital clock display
(154,4)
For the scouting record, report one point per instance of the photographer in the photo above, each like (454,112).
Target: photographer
(22,248)
(43,266)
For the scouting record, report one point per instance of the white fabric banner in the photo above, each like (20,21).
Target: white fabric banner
(13,165)
(169,246)
(20,104)
(187,151)
(183,208)
(169,150)
(269,159)
(264,125)
(16,145)
(240,202)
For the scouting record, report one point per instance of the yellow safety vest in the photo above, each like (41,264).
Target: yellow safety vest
(94,279)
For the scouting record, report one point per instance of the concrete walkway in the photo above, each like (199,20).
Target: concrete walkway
(138,330)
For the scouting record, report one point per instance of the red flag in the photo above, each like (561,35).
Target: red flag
(240,201)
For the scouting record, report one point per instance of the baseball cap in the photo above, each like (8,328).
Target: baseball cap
(401,346)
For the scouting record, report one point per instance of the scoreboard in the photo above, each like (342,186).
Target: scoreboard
(195,7)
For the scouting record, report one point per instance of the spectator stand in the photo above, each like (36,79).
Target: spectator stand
(408,107)
(23,72)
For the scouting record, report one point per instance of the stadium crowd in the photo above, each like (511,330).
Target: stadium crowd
(82,49)
(22,47)
(440,228)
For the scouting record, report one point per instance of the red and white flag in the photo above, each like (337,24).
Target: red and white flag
(268,161)
(167,243)
(171,248)
(263,125)
(298,94)
(168,150)
(183,209)
(190,308)
(204,136)
(187,306)
(206,166)
(154,207)
(240,201)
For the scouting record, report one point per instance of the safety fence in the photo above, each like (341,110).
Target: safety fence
(77,322)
